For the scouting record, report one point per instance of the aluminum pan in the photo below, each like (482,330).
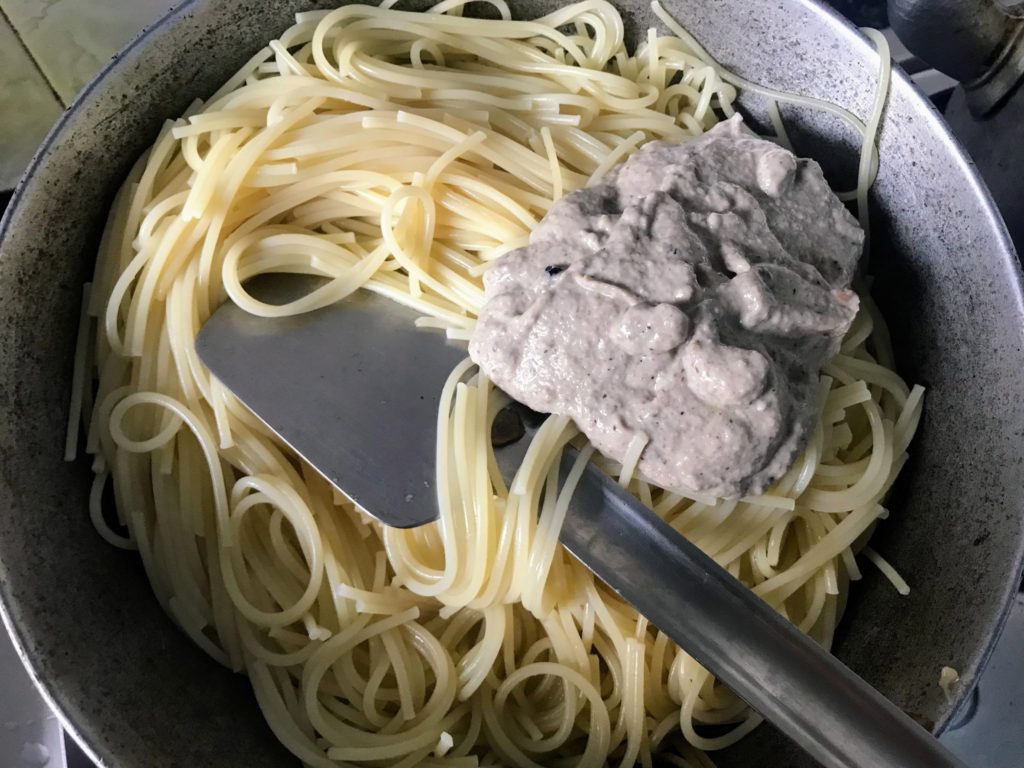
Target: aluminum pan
(134,690)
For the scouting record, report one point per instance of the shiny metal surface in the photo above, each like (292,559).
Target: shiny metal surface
(958,37)
(989,91)
(978,42)
(799,687)
(352,388)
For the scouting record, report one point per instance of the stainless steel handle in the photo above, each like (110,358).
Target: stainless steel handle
(803,690)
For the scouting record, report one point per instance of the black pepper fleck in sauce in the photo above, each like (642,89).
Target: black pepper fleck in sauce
(713,283)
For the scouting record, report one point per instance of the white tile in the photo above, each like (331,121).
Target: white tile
(27,107)
(73,39)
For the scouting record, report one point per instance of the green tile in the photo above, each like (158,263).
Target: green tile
(72,39)
(27,107)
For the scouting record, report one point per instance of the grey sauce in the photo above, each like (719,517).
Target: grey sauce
(689,298)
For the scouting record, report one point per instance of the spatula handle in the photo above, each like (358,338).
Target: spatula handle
(803,690)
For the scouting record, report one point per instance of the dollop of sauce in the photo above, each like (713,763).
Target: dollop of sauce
(691,298)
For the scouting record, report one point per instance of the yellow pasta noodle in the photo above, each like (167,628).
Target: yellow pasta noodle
(403,153)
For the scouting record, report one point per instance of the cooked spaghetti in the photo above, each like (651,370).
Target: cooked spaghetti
(403,153)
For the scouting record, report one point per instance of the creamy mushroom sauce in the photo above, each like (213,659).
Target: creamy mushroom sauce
(690,299)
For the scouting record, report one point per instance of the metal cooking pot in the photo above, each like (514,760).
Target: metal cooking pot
(134,690)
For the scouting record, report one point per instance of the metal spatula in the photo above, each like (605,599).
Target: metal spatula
(355,387)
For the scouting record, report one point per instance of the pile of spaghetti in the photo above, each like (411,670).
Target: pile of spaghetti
(403,153)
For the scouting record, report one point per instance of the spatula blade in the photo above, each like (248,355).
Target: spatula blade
(354,388)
